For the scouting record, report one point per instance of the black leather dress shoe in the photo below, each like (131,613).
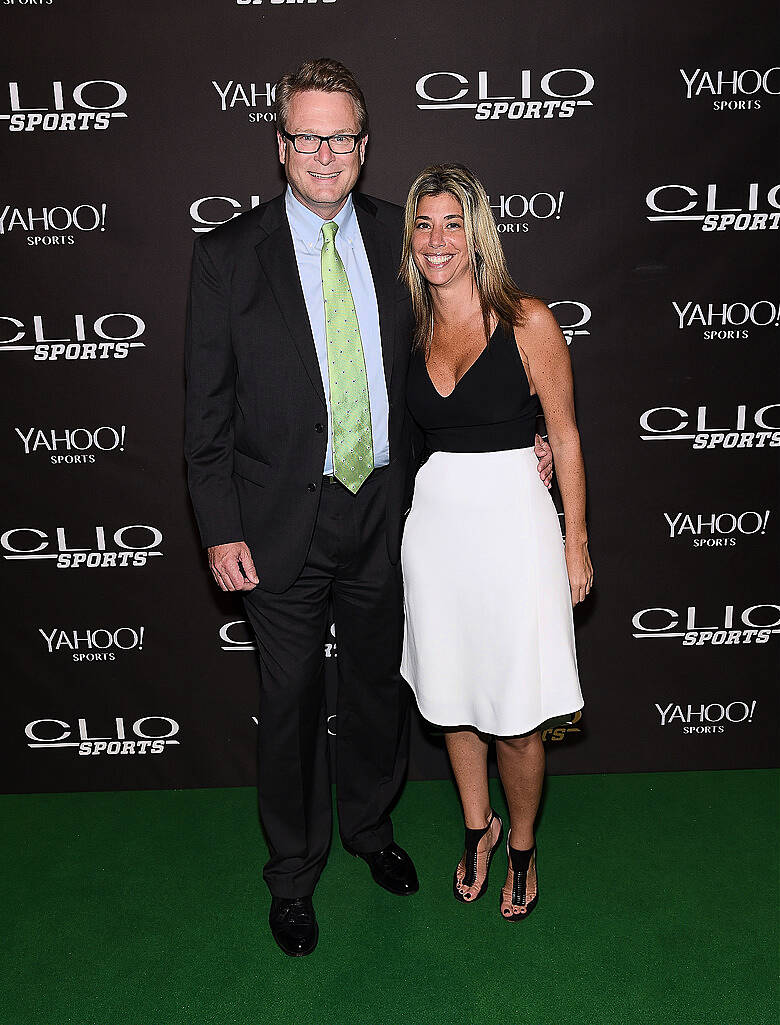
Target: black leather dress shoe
(294,925)
(392,868)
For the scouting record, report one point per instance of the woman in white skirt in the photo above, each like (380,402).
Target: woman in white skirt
(489,587)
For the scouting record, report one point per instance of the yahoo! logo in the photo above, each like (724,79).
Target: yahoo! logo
(732,90)
(93,644)
(729,320)
(514,211)
(47,225)
(707,719)
(72,445)
(248,96)
(716,530)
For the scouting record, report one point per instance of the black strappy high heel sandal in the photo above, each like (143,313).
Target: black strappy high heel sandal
(473,836)
(520,862)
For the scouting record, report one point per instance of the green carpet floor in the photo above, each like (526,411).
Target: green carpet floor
(658,903)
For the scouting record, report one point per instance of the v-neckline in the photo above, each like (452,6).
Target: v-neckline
(468,369)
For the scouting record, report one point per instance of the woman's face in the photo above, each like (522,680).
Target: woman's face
(439,241)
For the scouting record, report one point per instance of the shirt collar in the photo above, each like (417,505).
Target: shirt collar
(307,226)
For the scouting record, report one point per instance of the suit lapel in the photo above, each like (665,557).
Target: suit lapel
(277,258)
(383,271)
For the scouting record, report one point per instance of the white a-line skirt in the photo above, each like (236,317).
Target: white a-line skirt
(489,635)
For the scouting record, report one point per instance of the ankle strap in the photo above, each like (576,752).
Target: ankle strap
(520,859)
(473,836)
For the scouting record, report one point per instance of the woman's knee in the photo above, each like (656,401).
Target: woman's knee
(519,745)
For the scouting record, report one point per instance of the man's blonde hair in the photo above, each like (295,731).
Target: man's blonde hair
(320,75)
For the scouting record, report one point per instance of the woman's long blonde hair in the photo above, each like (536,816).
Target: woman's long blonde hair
(498,294)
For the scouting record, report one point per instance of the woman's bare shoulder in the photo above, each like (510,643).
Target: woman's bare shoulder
(536,316)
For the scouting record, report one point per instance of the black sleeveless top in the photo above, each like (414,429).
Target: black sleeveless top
(491,408)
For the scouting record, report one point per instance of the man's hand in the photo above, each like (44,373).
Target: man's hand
(227,561)
(544,455)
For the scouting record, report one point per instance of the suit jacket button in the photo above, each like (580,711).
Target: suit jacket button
(319,428)
(311,487)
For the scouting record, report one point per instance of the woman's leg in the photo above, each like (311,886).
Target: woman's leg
(521,766)
(468,756)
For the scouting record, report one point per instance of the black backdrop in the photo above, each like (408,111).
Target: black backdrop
(629,152)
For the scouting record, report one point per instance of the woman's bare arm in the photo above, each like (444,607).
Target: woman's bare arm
(546,358)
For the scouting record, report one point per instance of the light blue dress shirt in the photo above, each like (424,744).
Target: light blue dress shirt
(306,228)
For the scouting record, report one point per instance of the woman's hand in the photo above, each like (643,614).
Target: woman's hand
(579,568)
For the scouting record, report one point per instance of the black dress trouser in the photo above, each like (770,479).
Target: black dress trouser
(348,563)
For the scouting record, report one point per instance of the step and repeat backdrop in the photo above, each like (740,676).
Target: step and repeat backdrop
(630,155)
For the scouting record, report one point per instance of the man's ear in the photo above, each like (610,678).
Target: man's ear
(282,144)
(362,148)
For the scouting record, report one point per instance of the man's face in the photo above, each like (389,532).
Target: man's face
(323,180)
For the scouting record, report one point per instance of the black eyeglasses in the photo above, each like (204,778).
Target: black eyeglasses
(339,144)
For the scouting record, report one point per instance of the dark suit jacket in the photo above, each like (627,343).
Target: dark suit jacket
(256,422)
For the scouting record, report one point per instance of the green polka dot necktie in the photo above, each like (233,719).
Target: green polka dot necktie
(353,447)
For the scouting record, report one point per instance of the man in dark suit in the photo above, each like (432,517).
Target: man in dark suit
(300,469)
(264,474)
